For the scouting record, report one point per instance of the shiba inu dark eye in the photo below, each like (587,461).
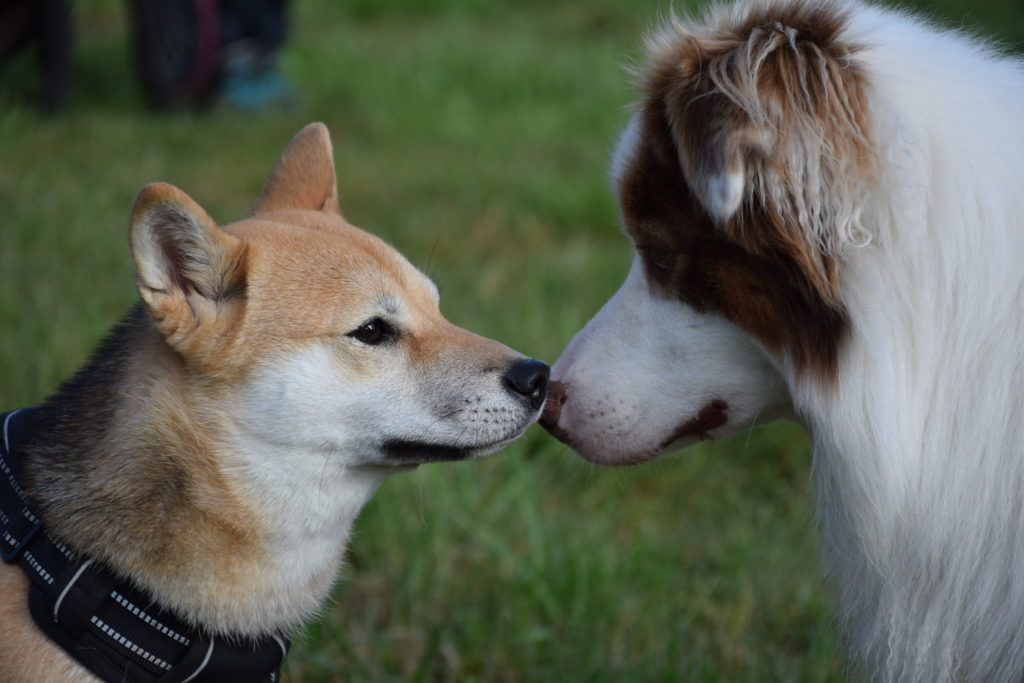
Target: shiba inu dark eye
(373,332)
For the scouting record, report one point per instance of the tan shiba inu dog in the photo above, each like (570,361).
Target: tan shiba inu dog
(218,447)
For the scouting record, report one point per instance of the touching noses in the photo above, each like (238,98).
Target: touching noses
(528,378)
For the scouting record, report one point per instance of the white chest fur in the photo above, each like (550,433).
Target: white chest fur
(305,503)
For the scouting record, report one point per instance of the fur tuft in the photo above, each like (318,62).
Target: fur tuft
(768,102)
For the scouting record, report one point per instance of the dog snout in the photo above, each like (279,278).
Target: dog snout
(528,378)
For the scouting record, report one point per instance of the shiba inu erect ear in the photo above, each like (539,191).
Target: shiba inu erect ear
(190,272)
(304,176)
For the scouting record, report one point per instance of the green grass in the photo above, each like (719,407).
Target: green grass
(474,135)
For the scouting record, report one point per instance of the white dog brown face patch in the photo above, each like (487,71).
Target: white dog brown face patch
(739,180)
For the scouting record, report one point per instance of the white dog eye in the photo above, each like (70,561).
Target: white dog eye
(373,332)
(660,259)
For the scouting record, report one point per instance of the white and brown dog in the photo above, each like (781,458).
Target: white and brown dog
(216,450)
(824,201)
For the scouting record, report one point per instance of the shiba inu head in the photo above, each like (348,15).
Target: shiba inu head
(219,444)
(311,334)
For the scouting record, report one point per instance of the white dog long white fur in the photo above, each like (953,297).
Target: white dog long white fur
(918,429)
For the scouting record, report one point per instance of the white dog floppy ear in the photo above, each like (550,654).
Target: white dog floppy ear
(304,176)
(714,141)
(190,272)
(770,126)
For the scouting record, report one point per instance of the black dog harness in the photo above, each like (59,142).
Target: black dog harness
(108,625)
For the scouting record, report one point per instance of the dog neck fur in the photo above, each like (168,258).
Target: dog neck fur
(137,466)
(904,211)
(919,458)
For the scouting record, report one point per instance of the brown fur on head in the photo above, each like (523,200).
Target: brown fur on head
(741,179)
(755,141)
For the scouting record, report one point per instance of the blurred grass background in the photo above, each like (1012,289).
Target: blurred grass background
(474,134)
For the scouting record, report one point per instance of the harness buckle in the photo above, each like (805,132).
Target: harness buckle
(20,531)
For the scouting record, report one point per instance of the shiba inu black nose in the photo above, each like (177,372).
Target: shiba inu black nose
(528,378)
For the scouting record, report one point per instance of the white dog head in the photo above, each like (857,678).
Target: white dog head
(740,181)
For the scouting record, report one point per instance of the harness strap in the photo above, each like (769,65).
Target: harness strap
(108,625)
(19,525)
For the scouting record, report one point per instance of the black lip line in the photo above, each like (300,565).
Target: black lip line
(409,452)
